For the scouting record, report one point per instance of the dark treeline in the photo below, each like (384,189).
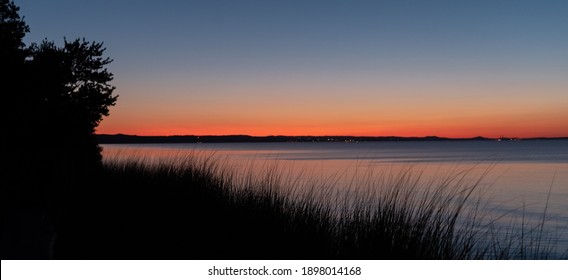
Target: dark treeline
(133,139)
(122,138)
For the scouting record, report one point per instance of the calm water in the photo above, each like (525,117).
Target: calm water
(519,177)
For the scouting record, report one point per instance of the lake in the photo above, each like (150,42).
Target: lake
(518,181)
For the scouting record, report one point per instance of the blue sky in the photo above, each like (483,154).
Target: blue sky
(383,52)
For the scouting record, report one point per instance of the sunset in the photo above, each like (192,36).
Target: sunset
(209,139)
(365,68)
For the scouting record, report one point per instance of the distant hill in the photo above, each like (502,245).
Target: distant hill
(123,138)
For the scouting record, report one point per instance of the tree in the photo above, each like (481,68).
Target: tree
(70,89)
(55,96)
(12,59)
(12,30)
(76,79)
(53,100)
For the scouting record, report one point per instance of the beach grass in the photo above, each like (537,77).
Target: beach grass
(195,207)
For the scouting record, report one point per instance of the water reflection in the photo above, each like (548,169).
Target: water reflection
(519,184)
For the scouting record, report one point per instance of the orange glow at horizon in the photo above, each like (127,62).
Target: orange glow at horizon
(362,111)
(410,132)
(459,128)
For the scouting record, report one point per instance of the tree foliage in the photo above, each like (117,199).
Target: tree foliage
(72,80)
(12,57)
(55,96)
(12,29)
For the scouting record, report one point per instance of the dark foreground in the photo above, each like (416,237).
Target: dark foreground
(196,211)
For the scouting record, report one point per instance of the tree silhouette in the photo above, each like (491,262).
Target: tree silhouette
(55,96)
(12,30)
(70,89)
(12,57)
(80,80)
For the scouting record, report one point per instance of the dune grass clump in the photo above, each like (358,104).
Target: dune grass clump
(405,221)
(193,209)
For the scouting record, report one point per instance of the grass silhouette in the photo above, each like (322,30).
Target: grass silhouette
(196,209)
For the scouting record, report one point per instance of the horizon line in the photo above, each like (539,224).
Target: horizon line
(330,135)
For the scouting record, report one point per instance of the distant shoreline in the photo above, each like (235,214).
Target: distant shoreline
(135,139)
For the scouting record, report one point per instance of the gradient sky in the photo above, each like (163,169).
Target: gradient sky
(408,68)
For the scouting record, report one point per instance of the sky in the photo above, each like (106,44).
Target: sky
(366,68)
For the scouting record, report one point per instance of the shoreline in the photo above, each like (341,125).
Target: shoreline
(133,139)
